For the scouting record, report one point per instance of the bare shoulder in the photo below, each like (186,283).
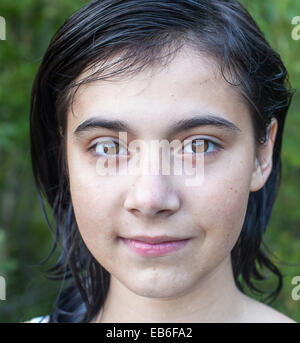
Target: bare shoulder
(257,312)
(41,319)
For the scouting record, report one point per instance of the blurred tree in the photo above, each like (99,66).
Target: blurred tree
(24,236)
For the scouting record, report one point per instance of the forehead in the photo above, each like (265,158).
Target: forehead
(158,96)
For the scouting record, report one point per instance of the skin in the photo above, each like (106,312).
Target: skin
(193,284)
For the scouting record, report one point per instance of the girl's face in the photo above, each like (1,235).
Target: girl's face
(111,210)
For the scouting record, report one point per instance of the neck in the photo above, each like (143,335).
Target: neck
(214,299)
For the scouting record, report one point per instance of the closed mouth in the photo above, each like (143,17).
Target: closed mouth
(155,239)
(155,246)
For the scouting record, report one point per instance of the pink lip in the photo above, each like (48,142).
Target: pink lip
(154,246)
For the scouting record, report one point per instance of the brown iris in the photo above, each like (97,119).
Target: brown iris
(111,148)
(199,145)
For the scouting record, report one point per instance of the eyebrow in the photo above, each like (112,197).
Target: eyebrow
(181,125)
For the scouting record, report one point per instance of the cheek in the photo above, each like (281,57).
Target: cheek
(94,206)
(94,202)
(223,199)
(227,201)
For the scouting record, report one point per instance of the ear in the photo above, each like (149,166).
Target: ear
(263,161)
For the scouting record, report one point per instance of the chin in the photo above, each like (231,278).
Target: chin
(155,293)
(151,289)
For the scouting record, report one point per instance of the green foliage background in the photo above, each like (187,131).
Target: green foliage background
(24,236)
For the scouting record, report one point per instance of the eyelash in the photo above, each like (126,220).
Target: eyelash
(217,146)
(93,147)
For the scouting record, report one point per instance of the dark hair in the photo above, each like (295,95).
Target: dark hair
(124,37)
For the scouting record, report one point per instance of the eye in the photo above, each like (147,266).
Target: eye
(107,148)
(201,145)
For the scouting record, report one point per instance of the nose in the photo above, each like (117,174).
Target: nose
(152,195)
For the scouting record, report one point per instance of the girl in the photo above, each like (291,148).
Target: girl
(150,247)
